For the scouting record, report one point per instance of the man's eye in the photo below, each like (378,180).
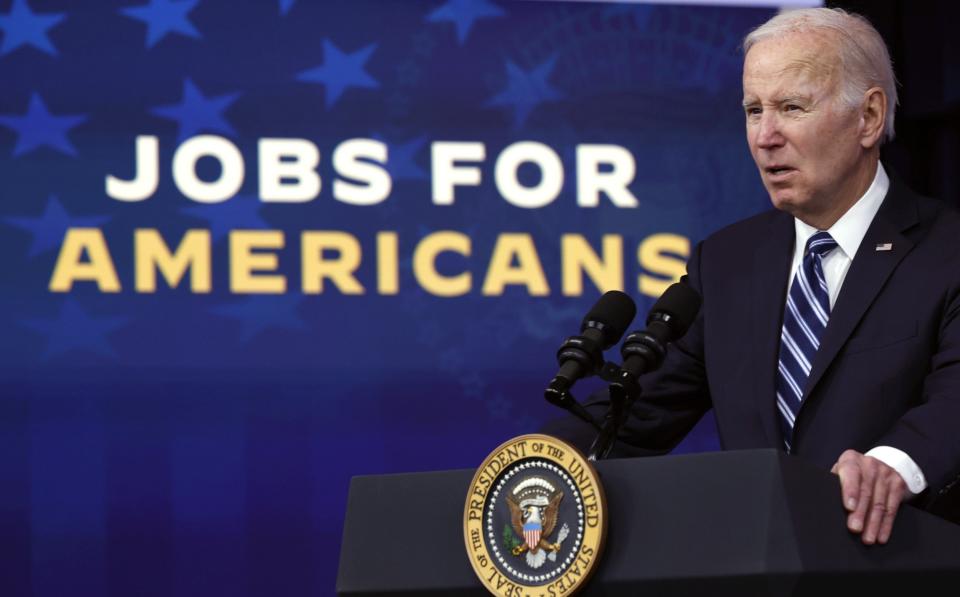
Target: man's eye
(753,111)
(792,108)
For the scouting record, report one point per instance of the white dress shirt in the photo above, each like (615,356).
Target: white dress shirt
(848,232)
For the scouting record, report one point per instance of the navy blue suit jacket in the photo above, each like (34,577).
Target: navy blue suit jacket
(888,368)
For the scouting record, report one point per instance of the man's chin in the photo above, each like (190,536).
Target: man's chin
(785,200)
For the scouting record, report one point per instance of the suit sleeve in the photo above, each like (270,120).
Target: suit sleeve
(928,432)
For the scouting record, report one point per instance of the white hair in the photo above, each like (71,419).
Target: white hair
(864,59)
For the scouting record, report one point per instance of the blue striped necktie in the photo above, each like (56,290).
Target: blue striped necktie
(804,319)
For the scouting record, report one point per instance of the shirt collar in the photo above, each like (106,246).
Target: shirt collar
(852,226)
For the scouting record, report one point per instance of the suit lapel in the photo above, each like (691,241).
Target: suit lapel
(867,275)
(771,264)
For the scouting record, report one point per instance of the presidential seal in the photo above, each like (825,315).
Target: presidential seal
(535,518)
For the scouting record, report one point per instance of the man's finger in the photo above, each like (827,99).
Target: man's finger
(877,508)
(894,499)
(857,518)
(849,474)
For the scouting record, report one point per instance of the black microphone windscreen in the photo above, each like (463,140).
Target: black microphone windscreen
(611,315)
(682,303)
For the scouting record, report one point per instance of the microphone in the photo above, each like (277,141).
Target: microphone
(669,319)
(582,356)
(642,352)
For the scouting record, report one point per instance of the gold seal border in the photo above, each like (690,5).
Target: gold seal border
(584,476)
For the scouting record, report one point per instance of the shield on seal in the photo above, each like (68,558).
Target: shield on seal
(531,534)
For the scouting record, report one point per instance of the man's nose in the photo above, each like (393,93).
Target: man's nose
(769,135)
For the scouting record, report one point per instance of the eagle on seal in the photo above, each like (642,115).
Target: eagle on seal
(534,509)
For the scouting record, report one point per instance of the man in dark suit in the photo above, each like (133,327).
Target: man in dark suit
(829,326)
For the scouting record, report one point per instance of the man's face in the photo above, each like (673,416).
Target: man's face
(804,141)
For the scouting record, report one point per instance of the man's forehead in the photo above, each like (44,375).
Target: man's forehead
(795,61)
(796,82)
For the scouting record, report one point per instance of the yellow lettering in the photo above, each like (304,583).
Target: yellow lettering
(654,255)
(245,263)
(388,265)
(151,254)
(579,257)
(425,266)
(528,271)
(71,268)
(339,270)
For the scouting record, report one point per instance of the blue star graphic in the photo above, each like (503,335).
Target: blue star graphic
(526,90)
(340,71)
(163,17)
(473,385)
(498,406)
(285,6)
(463,13)
(48,229)
(38,128)
(74,329)
(402,163)
(196,113)
(239,213)
(259,313)
(20,26)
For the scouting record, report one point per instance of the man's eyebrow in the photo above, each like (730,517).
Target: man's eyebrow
(785,99)
(801,98)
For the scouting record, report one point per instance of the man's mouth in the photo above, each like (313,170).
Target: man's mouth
(778,171)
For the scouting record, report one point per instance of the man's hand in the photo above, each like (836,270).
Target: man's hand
(872,493)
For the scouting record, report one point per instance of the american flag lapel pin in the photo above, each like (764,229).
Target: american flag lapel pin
(884,246)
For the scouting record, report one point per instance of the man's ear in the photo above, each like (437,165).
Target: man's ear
(873,118)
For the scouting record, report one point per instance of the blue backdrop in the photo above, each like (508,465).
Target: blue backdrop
(251,249)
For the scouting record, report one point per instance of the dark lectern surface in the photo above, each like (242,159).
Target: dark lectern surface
(725,523)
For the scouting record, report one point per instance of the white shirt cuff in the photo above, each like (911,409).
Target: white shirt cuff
(903,464)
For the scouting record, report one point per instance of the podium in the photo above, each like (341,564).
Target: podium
(752,522)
